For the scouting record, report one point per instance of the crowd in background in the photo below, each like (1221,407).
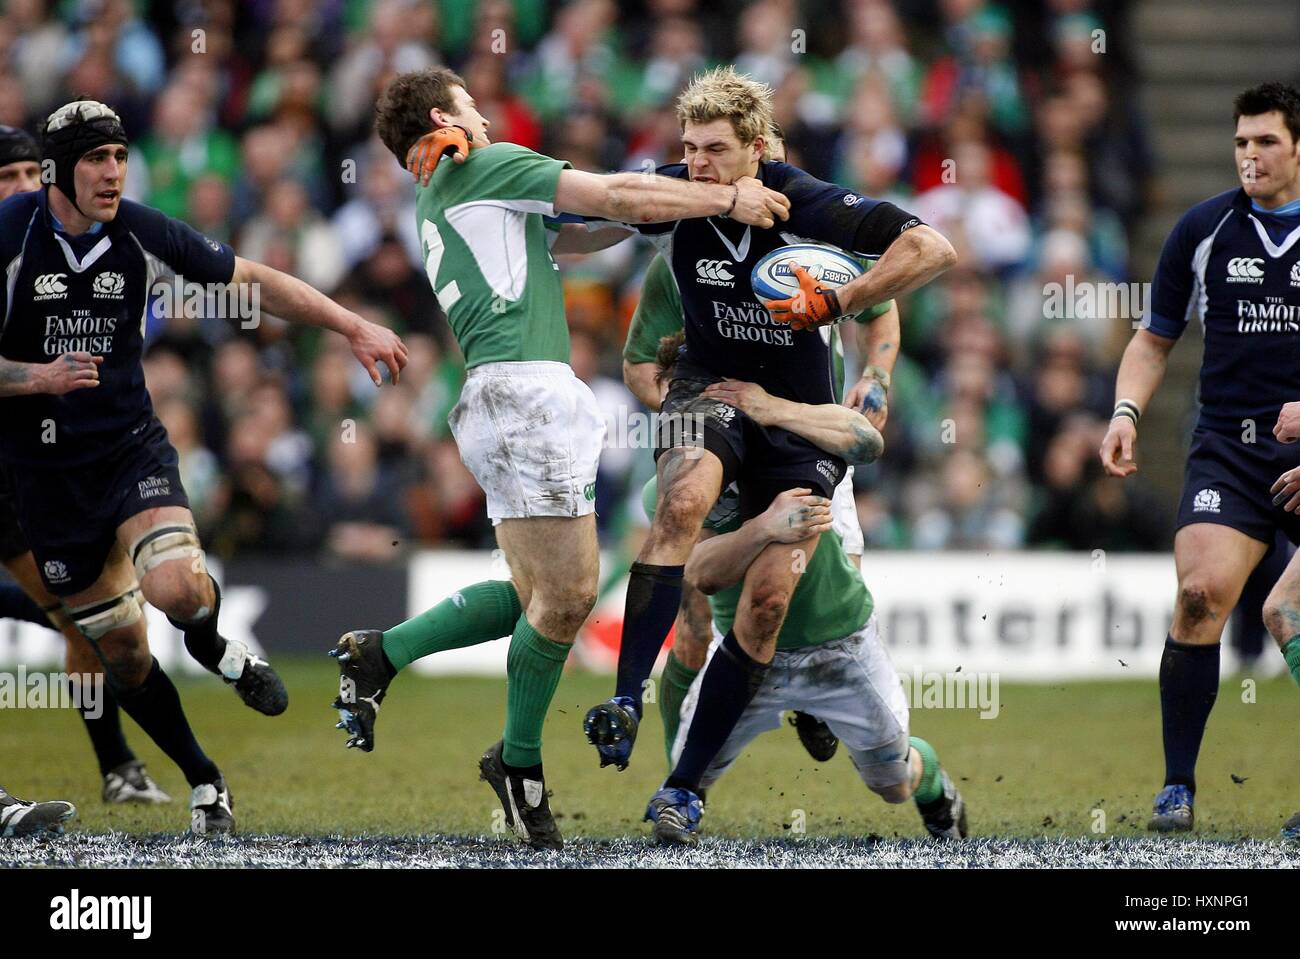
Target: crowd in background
(1003,126)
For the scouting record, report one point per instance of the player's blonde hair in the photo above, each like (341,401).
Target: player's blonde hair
(724,94)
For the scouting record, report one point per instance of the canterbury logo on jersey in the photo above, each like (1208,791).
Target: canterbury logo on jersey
(50,286)
(1246,269)
(714,272)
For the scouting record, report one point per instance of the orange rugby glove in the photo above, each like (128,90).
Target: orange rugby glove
(814,304)
(422,159)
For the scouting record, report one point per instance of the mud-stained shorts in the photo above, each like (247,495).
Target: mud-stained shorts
(850,684)
(531,433)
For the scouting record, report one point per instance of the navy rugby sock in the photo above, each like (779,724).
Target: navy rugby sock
(653,595)
(730,681)
(1189,684)
(105,733)
(202,640)
(156,706)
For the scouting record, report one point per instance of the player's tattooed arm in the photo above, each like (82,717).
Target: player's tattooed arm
(719,563)
(649,198)
(1140,373)
(878,347)
(837,429)
(915,258)
(71,371)
(291,299)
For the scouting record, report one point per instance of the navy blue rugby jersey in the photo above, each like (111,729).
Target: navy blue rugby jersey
(728,330)
(1238,269)
(88,292)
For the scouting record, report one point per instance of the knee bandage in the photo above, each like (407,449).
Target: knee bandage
(164,543)
(98,619)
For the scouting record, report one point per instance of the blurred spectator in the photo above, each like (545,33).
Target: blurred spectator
(978,65)
(1066,289)
(511,118)
(200,472)
(290,236)
(181,148)
(576,51)
(877,47)
(38,43)
(987,226)
(967,509)
(393,41)
(358,501)
(384,205)
(1086,510)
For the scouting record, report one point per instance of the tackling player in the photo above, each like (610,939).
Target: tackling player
(725,119)
(527,428)
(1235,260)
(95,479)
(125,778)
(829,660)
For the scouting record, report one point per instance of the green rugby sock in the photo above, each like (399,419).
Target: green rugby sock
(476,614)
(533,670)
(931,787)
(1291,653)
(674,683)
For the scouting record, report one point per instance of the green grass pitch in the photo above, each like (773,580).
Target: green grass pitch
(1054,755)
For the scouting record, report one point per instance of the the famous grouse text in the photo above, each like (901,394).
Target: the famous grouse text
(78,332)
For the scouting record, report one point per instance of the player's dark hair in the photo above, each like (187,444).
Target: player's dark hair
(1266,98)
(402,113)
(666,355)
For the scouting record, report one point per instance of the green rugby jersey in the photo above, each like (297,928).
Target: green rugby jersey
(487,255)
(830,602)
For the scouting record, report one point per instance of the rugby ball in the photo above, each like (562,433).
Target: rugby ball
(773,278)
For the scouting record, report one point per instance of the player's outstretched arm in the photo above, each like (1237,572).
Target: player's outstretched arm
(1140,372)
(291,299)
(71,371)
(649,198)
(720,562)
(836,429)
(878,340)
(911,261)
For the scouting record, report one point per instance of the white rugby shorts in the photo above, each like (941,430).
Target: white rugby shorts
(531,433)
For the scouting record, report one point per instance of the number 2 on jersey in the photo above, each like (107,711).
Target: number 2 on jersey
(434,249)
